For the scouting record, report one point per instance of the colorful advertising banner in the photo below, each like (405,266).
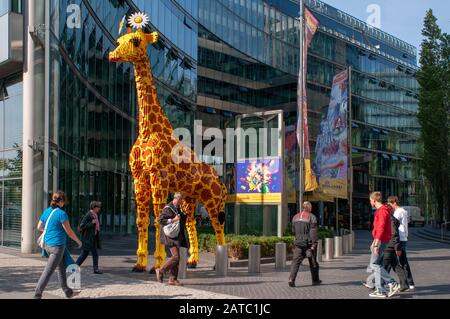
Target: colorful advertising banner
(331,164)
(311,25)
(259,180)
(290,155)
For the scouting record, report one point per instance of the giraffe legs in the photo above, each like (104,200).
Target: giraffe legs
(219,228)
(159,202)
(189,207)
(143,195)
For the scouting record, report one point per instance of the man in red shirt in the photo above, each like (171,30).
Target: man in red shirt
(382,234)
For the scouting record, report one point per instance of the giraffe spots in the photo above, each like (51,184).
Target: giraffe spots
(205,168)
(193,170)
(205,180)
(164,184)
(215,189)
(147,153)
(159,119)
(165,160)
(157,128)
(205,194)
(184,166)
(151,117)
(166,131)
(155,108)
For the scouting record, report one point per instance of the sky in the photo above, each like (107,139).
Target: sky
(400,18)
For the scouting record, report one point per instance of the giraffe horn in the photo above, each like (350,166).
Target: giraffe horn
(122,22)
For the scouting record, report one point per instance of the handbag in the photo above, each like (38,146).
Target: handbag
(171,230)
(40,240)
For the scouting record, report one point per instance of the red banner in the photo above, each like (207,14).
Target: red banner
(311,25)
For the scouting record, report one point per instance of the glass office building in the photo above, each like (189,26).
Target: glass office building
(215,59)
(248,58)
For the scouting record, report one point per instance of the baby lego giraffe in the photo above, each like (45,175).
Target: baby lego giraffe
(160,163)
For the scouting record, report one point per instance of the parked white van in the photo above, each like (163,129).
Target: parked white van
(415,216)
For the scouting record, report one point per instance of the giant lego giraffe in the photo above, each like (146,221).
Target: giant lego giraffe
(159,162)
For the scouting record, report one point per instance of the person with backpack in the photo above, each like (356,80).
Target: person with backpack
(90,235)
(174,236)
(304,226)
(402,215)
(55,225)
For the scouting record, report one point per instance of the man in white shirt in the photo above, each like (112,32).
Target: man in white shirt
(402,215)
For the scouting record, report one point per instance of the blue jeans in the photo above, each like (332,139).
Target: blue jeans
(378,271)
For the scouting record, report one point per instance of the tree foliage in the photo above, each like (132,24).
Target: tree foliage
(433,115)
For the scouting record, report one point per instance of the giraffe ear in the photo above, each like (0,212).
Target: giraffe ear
(151,37)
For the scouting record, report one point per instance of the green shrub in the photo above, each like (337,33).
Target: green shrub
(238,245)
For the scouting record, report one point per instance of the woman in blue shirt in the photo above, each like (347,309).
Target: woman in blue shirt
(58,228)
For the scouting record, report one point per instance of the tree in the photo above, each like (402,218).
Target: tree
(433,115)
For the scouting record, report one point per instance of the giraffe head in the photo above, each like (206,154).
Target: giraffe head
(132,46)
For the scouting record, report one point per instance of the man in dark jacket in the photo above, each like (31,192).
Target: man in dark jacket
(304,226)
(172,214)
(90,235)
(393,252)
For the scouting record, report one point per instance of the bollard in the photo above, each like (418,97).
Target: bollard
(344,244)
(280,256)
(254,259)
(329,248)
(337,246)
(319,250)
(222,261)
(183,263)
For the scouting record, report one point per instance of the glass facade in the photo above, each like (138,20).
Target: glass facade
(11,162)
(248,60)
(11,6)
(215,59)
(93,105)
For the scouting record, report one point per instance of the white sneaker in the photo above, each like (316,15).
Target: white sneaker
(393,289)
(377,294)
(411,287)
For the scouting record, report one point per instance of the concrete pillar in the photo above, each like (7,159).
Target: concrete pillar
(329,248)
(280,256)
(254,259)
(337,246)
(33,126)
(182,273)
(222,261)
(319,250)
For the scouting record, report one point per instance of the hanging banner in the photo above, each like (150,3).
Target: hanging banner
(290,155)
(311,25)
(331,164)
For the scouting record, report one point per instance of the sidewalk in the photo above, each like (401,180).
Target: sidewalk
(19,275)
(430,263)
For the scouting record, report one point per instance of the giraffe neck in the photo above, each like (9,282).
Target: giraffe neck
(151,116)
